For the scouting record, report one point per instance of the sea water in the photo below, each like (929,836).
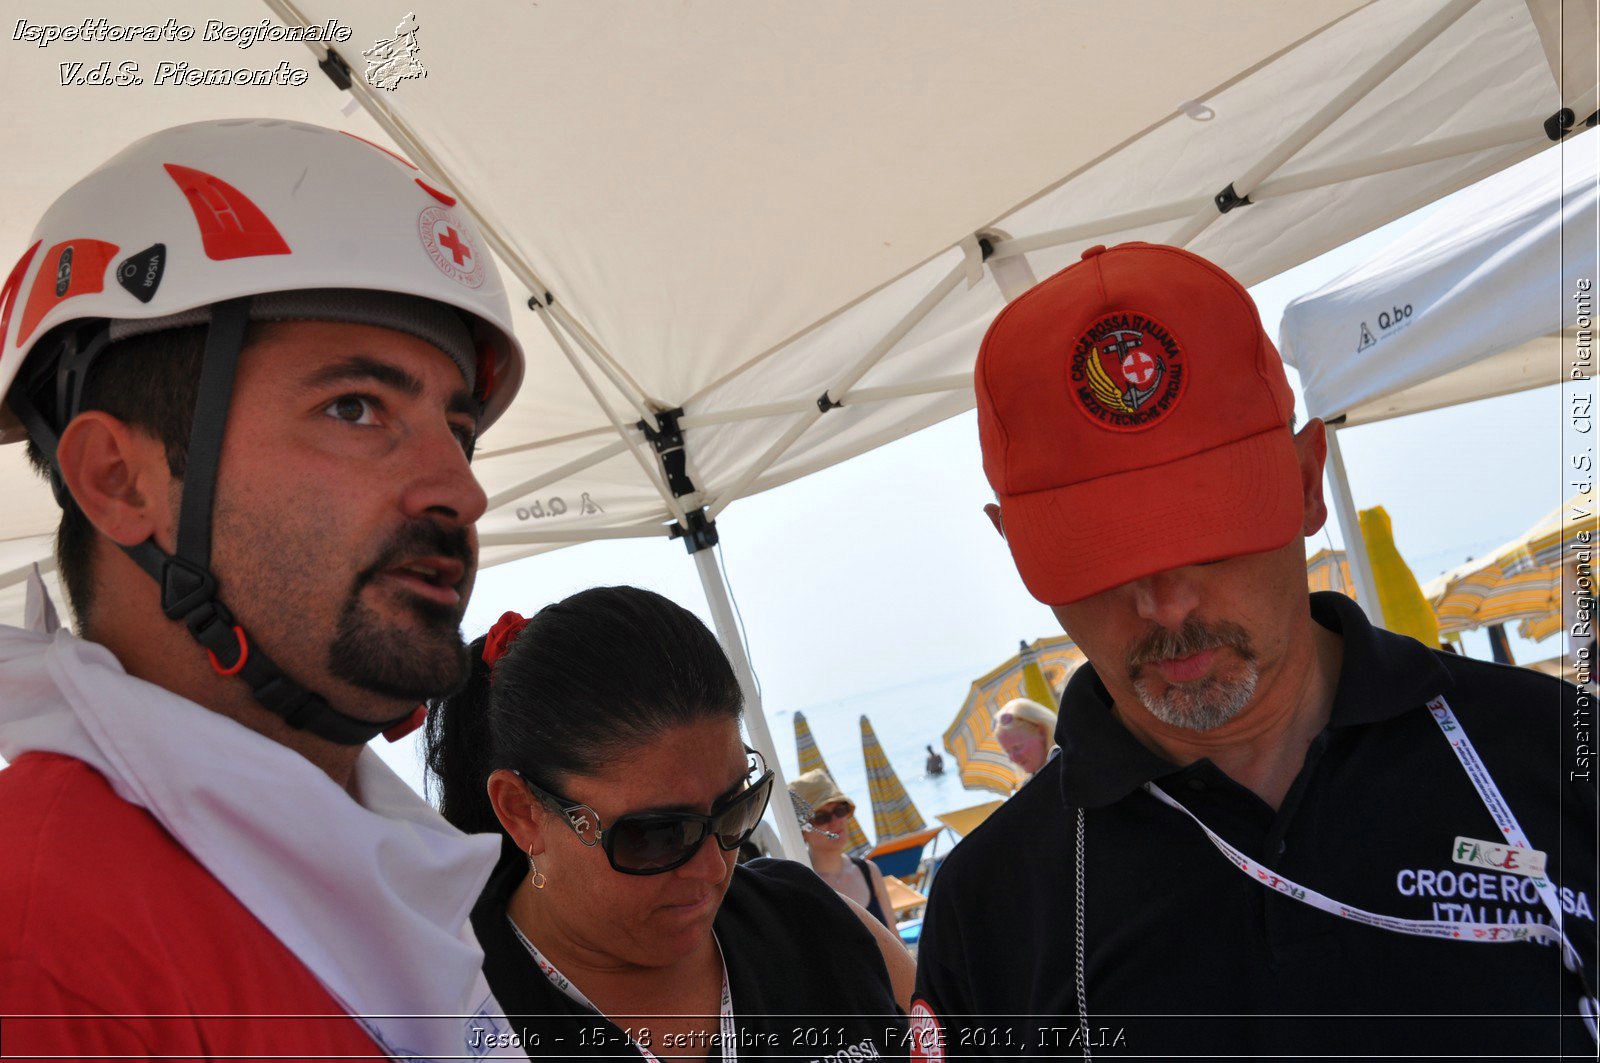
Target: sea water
(906,718)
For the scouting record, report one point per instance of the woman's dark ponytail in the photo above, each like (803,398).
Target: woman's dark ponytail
(459,750)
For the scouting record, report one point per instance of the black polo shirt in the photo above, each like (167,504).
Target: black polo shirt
(1185,955)
(806,977)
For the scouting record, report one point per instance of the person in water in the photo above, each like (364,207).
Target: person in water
(600,737)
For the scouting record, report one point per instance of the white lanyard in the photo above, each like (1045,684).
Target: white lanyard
(1461,745)
(729,1045)
(1433,928)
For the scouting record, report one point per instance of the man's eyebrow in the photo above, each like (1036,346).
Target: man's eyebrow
(359,367)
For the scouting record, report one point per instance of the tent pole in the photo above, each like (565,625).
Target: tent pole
(1238,191)
(673,505)
(858,397)
(602,358)
(516,491)
(1355,547)
(1507,135)
(842,385)
(755,718)
(574,536)
(18,575)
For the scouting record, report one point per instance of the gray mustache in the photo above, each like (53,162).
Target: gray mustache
(1192,638)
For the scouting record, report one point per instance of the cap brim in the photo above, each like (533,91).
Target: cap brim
(1074,542)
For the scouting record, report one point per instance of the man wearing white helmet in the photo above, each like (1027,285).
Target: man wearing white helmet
(252,358)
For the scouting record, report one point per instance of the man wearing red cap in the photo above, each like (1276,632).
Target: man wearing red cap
(1273,828)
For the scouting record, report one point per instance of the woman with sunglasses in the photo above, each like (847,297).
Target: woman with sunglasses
(600,737)
(829,843)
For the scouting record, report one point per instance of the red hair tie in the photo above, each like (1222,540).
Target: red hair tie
(501,636)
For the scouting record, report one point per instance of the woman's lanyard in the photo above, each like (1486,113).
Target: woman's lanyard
(729,1040)
(1433,928)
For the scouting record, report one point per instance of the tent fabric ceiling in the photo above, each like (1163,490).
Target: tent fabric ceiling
(1470,304)
(735,205)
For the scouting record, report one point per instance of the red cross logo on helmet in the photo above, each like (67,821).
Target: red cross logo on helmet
(449,243)
(458,250)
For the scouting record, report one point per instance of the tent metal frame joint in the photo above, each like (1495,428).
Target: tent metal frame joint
(667,439)
(1228,199)
(1562,123)
(333,64)
(698,532)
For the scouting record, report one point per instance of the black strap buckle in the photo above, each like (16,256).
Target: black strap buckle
(185,589)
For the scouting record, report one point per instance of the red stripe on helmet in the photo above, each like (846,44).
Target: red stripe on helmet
(8,294)
(380,147)
(231,226)
(443,197)
(72,267)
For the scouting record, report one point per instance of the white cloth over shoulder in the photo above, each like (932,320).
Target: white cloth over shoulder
(371,894)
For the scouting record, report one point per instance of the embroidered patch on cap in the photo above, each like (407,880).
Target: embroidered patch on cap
(1127,372)
(451,246)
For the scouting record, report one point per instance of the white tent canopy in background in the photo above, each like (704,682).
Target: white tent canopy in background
(1469,304)
(1476,301)
(794,220)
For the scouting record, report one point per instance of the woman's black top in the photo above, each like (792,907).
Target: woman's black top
(807,979)
(873,907)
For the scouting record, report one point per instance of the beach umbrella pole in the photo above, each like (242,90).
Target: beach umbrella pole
(1355,547)
(755,718)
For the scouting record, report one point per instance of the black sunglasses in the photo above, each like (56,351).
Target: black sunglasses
(649,843)
(826,816)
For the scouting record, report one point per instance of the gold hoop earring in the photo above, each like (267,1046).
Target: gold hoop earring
(535,877)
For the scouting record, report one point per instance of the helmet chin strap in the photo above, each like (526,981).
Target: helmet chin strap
(189,590)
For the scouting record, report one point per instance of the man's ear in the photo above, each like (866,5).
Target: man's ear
(992,510)
(118,476)
(518,813)
(1311,447)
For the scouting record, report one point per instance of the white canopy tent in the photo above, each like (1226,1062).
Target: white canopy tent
(792,222)
(1478,300)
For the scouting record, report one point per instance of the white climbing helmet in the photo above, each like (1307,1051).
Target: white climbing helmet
(202,213)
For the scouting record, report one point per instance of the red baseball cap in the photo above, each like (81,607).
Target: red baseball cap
(1135,418)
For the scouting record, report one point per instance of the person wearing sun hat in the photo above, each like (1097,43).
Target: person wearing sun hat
(825,813)
(1265,809)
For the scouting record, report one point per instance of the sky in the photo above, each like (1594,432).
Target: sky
(883,571)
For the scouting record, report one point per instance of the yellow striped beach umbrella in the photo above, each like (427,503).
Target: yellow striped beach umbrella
(1560,537)
(1536,629)
(1481,593)
(893,814)
(810,760)
(1524,580)
(806,746)
(1329,570)
(1038,671)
